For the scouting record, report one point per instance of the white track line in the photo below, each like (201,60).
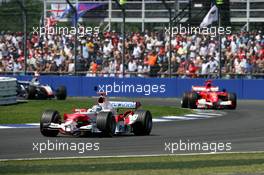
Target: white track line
(33,124)
(155,120)
(205,113)
(131,156)
(5,127)
(178,117)
(199,116)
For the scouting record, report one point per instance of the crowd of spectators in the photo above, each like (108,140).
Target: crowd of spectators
(146,54)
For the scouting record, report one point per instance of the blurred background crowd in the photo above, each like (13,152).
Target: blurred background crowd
(147,54)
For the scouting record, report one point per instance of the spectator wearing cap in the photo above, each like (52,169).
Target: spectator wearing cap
(91,52)
(107,49)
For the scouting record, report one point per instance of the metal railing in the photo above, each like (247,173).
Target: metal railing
(144,74)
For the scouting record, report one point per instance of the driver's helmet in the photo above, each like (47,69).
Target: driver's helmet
(208,84)
(34,81)
(97,108)
(101,99)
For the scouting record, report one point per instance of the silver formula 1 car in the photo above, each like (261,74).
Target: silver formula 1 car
(34,90)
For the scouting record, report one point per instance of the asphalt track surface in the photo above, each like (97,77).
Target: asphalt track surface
(243,128)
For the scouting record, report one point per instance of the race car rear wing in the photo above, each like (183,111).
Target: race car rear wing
(23,82)
(125,105)
(203,88)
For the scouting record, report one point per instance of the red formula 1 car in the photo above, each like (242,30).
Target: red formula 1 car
(208,97)
(101,118)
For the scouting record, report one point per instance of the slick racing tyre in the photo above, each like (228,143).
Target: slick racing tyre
(49,116)
(193,99)
(143,124)
(233,98)
(105,122)
(42,93)
(32,90)
(61,93)
(185,100)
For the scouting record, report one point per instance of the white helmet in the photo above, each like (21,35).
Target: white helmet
(97,108)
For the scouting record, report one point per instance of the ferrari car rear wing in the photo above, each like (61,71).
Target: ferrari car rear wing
(203,88)
(125,105)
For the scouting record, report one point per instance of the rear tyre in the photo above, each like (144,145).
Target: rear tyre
(185,100)
(49,116)
(61,93)
(31,92)
(106,123)
(233,98)
(193,99)
(42,93)
(143,124)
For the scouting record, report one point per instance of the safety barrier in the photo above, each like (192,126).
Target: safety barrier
(8,87)
(148,87)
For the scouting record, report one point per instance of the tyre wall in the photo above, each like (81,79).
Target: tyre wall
(8,87)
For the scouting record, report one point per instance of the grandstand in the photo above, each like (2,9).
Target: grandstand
(147,46)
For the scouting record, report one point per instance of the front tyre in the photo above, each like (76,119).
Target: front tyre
(42,93)
(31,94)
(105,122)
(48,117)
(193,99)
(185,100)
(143,124)
(61,93)
(233,98)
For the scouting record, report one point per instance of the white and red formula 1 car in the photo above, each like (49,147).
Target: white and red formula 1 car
(101,118)
(209,97)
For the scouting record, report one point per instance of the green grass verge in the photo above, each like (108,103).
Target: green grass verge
(247,163)
(31,111)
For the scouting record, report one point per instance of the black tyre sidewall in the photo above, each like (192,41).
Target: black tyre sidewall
(185,100)
(192,101)
(31,92)
(49,116)
(61,93)
(233,98)
(143,124)
(106,123)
